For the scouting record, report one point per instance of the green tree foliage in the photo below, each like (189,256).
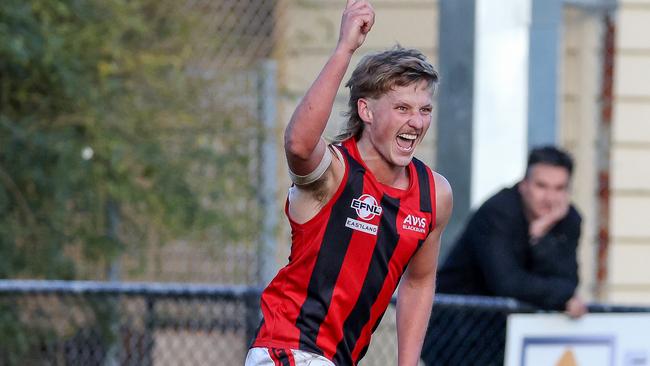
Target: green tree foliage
(101,119)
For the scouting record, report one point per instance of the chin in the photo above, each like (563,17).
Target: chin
(402,161)
(541,213)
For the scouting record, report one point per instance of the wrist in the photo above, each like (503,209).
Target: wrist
(538,229)
(343,55)
(535,234)
(534,240)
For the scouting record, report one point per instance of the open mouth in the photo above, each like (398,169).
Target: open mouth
(406,141)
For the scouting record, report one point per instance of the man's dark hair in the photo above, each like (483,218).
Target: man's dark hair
(549,155)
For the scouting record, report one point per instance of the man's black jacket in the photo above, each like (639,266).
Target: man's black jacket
(494,256)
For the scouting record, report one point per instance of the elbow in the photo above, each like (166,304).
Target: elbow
(294,148)
(508,287)
(299,145)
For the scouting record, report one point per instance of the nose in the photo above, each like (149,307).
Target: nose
(550,197)
(417,121)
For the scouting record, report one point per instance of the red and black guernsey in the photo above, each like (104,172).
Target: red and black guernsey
(346,262)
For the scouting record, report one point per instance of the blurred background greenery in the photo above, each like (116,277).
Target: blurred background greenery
(111,141)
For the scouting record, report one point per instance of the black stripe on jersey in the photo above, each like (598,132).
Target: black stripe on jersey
(374,327)
(330,259)
(423,181)
(281,356)
(377,271)
(363,351)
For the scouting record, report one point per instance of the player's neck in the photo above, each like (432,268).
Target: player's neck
(385,172)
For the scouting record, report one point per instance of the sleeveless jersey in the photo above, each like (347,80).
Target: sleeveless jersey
(346,262)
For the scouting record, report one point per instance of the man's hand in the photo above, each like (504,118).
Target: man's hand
(356,22)
(575,307)
(539,227)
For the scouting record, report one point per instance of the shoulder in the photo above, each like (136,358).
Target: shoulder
(571,224)
(439,181)
(440,185)
(444,198)
(504,200)
(306,200)
(574,214)
(573,217)
(443,188)
(503,209)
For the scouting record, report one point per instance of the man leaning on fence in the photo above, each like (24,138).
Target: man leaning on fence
(521,243)
(360,211)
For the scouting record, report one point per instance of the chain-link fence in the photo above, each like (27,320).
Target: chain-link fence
(91,323)
(231,46)
(468,328)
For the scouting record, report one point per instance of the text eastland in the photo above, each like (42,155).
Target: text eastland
(361,226)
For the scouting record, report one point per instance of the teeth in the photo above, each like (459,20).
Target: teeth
(408,136)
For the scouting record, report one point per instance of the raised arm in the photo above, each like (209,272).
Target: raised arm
(417,288)
(303,144)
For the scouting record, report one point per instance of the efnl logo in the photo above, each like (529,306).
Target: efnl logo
(366,207)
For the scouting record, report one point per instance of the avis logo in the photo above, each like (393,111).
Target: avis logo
(414,223)
(366,207)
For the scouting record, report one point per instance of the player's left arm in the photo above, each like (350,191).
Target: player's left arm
(417,287)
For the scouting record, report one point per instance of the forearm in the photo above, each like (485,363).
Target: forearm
(506,276)
(555,256)
(302,139)
(550,293)
(414,303)
(506,273)
(416,290)
(310,117)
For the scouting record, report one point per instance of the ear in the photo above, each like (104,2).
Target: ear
(363,106)
(522,186)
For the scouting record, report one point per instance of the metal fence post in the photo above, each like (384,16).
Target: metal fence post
(113,274)
(267,97)
(149,328)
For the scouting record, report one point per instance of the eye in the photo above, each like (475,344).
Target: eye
(426,110)
(401,108)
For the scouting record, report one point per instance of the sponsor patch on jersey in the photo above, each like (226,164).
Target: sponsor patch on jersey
(366,207)
(415,223)
(361,226)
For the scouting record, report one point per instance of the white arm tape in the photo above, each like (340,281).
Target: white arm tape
(316,174)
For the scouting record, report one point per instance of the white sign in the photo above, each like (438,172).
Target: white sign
(621,339)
